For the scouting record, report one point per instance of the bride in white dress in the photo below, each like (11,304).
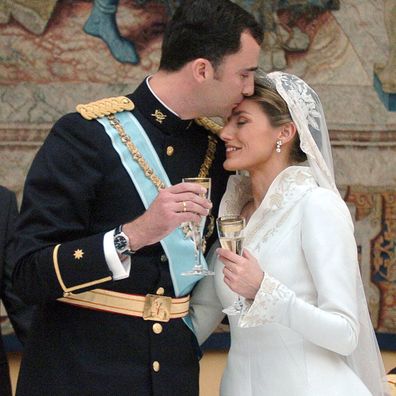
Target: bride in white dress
(305,328)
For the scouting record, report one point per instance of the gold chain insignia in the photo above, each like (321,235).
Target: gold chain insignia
(210,227)
(137,156)
(135,152)
(105,107)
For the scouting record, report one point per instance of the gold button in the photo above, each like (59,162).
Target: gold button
(169,151)
(157,328)
(156,366)
(163,258)
(160,291)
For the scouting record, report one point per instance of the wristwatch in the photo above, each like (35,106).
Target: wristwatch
(121,242)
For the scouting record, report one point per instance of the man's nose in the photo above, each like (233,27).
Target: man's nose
(248,88)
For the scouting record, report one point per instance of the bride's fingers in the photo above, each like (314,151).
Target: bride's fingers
(225,261)
(230,267)
(231,281)
(246,254)
(228,276)
(225,254)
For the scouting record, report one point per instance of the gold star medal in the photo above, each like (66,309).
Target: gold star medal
(78,254)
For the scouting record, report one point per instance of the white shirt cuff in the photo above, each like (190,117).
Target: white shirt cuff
(120,269)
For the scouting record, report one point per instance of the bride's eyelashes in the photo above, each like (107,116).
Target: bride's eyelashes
(241,122)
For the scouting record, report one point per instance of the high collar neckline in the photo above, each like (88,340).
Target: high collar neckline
(155,111)
(286,188)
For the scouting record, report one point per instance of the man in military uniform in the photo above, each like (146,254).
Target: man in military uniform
(99,242)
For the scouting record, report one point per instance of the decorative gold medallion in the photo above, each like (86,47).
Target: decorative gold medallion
(78,254)
(159,116)
(157,308)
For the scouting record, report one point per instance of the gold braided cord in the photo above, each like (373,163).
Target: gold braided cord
(137,156)
(105,107)
(209,124)
(210,154)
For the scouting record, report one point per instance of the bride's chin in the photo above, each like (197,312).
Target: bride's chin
(229,167)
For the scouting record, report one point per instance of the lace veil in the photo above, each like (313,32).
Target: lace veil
(307,113)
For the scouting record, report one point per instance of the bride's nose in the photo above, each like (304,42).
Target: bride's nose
(226,133)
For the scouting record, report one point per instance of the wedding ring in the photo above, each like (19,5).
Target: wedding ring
(184,207)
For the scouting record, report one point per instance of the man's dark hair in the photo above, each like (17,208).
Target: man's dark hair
(209,29)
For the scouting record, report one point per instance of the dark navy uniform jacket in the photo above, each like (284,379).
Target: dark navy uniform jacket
(77,190)
(18,313)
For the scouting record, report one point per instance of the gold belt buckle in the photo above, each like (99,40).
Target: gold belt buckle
(157,308)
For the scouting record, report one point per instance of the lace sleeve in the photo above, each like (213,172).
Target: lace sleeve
(269,305)
(276,303)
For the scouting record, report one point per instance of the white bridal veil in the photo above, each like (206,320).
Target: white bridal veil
(307,113)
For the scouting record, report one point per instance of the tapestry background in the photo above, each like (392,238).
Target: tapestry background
(54,55)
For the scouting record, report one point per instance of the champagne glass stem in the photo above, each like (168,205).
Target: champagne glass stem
(198,246)
(197,230)
(198,268)
(239,303)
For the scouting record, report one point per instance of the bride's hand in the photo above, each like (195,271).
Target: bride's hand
(242,274)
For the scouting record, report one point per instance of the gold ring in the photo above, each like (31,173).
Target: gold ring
(184,207)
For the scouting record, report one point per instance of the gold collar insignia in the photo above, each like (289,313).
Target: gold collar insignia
(159,116)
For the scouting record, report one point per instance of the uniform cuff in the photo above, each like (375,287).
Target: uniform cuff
(120,269)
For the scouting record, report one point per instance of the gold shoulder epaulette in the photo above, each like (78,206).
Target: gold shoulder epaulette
(104,107)
(209,124)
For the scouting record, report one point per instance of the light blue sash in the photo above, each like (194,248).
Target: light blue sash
(179,250)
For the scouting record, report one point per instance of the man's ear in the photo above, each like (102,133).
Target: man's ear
(202,69)
(287,132)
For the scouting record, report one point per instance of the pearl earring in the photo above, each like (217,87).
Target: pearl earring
(278,145)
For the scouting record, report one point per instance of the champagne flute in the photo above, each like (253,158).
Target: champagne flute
(231,235)
(197,229)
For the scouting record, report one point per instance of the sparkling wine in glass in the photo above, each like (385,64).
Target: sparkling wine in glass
(231,235)
(197,229)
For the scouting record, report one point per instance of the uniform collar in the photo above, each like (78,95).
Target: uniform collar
(157,112)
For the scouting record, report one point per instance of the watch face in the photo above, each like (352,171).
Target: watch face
(120,242)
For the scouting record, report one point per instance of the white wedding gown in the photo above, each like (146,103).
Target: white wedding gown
(294,337)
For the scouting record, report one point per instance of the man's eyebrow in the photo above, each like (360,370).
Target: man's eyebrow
(253,68)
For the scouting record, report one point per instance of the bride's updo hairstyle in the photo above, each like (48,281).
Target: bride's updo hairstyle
(274,106)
